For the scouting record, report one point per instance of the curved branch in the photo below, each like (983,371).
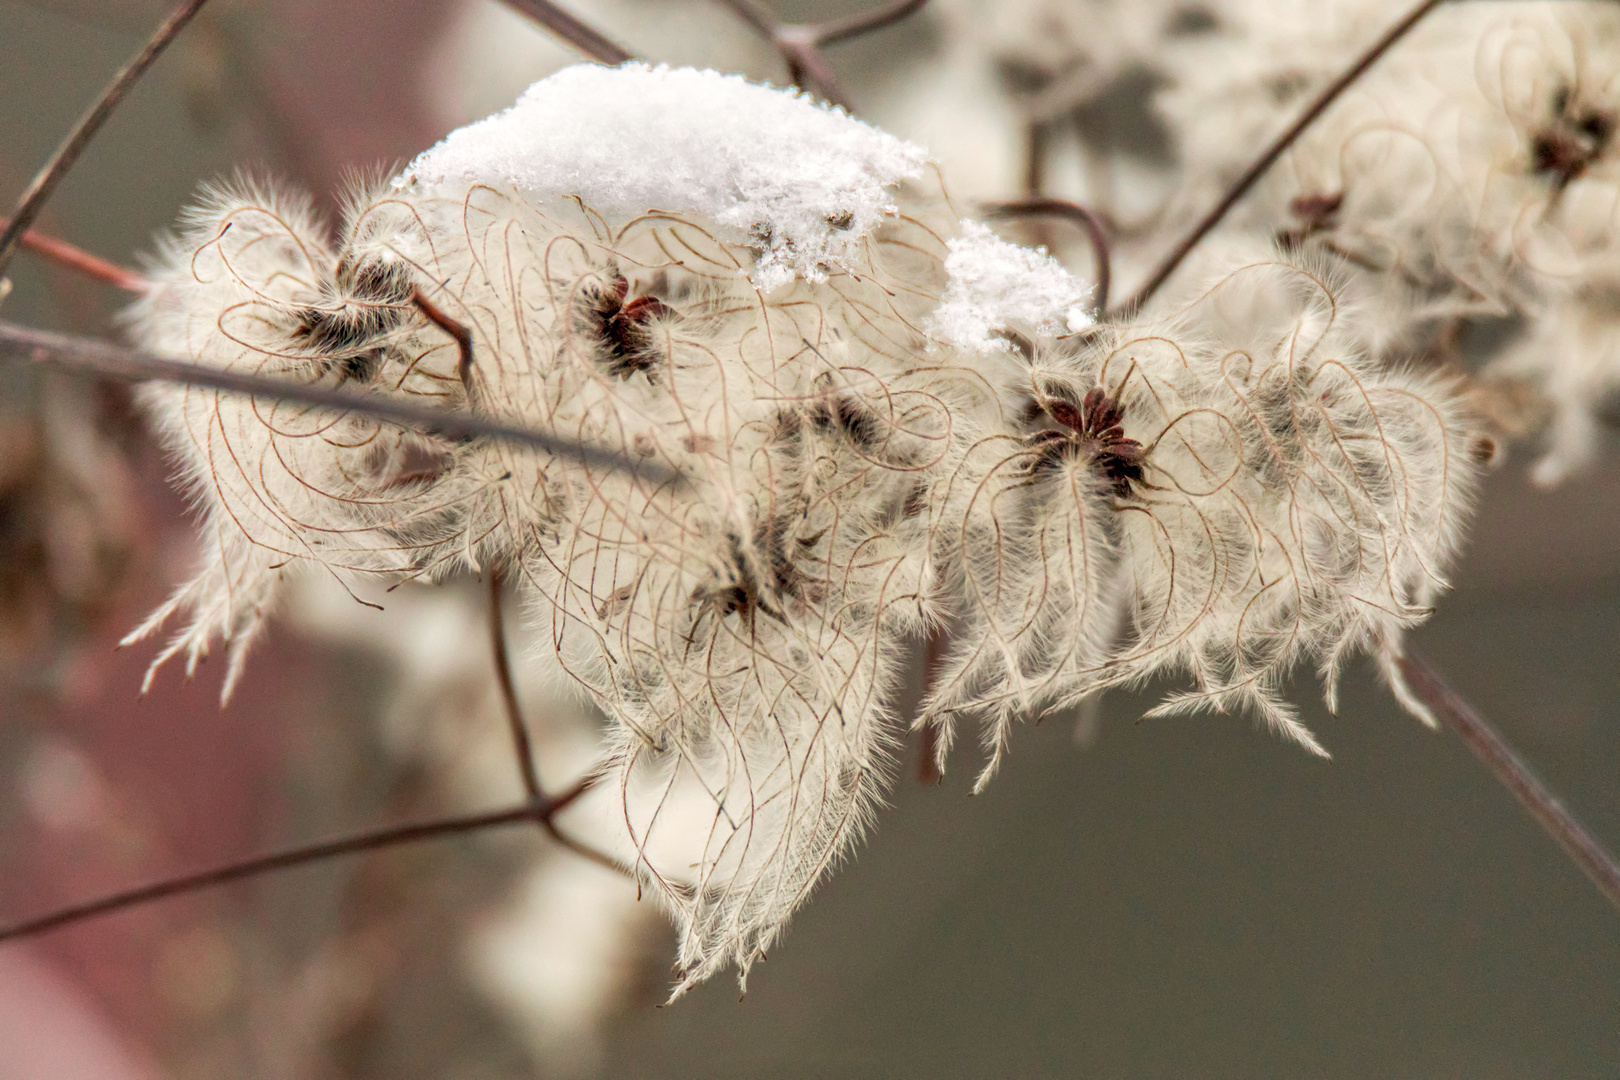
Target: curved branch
(522,746)
(755,15)
(542,810)
(1270,155)
(237,870)
(1098,236)
(833,31)
(463,337)
(87,356)
(1595,861)
(46,180)
(799,44)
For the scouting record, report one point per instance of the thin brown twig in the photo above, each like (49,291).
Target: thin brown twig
(46,180)
(522,747)
(238,869)
(800,44)
(88,356)
(584,850)
(563,799)
(1037,133)
(570,28)
(463,337)
(557,804)
(1269,156)
(1515,775)
(541,810)
(797,45)
(82,262)
(756,16)
(807,67)
(1098,236)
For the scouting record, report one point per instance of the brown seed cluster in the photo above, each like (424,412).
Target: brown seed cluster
(1573,138)
(1091,430)
(625,328)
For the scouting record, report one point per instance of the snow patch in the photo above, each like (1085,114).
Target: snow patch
(798,181)
(995,285)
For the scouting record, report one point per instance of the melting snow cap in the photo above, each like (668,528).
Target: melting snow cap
(800,182)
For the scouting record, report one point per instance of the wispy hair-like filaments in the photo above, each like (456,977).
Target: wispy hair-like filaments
(747,632)
(1219,494)
(743,623)
(1476,173)
(1023,527)
(1302,502)
(248,286)
(1477,162)
(1239,477)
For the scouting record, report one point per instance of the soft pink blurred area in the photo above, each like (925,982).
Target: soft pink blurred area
(111,789)
(105,789)
(52,1030)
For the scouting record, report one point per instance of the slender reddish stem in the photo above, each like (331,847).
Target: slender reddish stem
(543,811)
(799,44)
(1269,156)
(1595,861)
(522,745)
(238,869)
(82,262)
(833,31)
(756,16)
(46,180)
(462,336)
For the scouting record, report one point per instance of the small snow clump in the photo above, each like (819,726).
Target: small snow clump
(996,286)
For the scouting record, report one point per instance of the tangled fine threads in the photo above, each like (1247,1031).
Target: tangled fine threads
(744,625)
(1217,494)
(877,427)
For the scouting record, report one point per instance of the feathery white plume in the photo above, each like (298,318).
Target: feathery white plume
(1239,476)
(745,310)
(875,428)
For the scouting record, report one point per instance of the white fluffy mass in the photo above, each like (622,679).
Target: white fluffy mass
(773,169)
(996,286)
(878,425)
(745,626)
